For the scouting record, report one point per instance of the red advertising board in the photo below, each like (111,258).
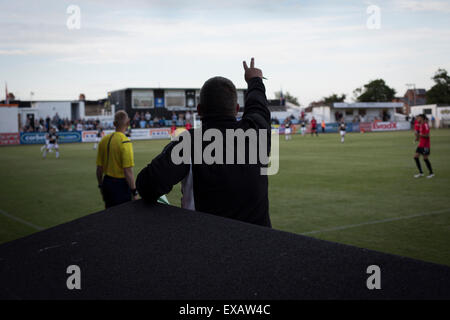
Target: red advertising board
(9,138)
(89,136)
(384,126)
(365,126)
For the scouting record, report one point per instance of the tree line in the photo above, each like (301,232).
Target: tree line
(378,91)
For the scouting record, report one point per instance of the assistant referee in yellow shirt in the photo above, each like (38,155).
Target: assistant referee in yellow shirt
(115,162)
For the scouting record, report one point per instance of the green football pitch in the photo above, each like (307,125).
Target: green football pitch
(360,193)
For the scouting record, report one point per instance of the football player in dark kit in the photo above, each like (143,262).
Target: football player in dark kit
(424,146)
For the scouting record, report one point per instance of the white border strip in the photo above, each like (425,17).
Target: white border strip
(21,220)
(376,222)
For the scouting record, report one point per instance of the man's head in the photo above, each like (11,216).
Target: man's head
(121,120)
(218,96)
(421,118)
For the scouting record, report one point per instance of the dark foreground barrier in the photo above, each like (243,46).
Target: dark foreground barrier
(161,252)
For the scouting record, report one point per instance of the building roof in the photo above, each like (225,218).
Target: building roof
(416,91)
(151,88)
(367,105)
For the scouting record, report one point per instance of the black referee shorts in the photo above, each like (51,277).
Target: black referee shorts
(115,191)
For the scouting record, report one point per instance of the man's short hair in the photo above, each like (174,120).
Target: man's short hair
(218,96)
(120,118)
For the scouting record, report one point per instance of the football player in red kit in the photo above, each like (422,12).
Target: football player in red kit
(416,128)
(424,146)
(314,127)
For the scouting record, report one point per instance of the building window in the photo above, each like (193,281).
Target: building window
(197,96)
(190,99)
(93,110)
(142,99)
(427,111)
(175,99)
(349,112)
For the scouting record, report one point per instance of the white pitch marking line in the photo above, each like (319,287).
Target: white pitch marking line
(20,220)
(376,222)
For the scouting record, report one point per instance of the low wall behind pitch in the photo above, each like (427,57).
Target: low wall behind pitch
(351,127)
(164,133)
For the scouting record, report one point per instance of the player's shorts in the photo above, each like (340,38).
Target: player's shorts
(343,132)
(287,131)
(51,146)
(423,151)
(313,129)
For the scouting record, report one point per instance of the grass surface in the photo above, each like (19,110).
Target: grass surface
(361,192)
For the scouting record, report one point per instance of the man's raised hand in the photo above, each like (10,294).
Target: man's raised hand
(251,72)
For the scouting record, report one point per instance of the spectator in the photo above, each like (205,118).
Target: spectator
(188,116)
(148,116)
(43,125)
(233,191)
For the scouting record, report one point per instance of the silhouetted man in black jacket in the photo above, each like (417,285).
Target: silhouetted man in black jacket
(236,191)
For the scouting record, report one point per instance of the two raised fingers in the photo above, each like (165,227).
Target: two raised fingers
(252,64)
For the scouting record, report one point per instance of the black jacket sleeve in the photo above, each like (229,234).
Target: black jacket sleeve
(160,175)
(256,113)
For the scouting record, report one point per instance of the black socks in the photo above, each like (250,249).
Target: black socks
(428,163)
(418,165)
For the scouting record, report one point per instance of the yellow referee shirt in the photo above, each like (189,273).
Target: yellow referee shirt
(115,152)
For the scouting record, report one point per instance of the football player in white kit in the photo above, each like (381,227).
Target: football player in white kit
(303,127)
(46,143)
(52,143)
(287,129)
(98,137)
(342,130)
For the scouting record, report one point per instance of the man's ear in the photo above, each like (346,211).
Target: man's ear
(199,110)
(115,123)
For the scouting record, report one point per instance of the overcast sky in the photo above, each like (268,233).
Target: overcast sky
(309,48)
